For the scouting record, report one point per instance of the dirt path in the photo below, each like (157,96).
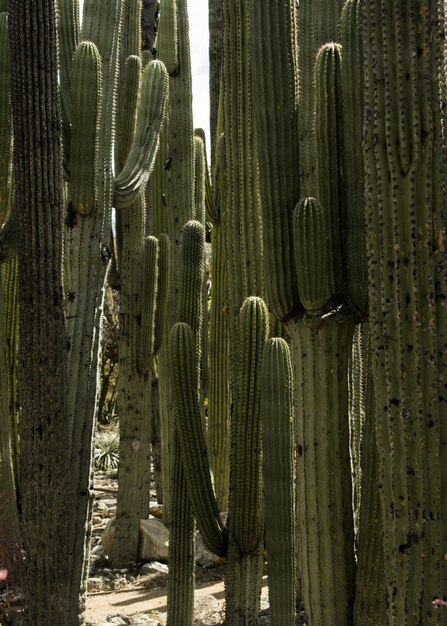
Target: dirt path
(152,602)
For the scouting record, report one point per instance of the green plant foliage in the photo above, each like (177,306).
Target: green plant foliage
(106,450)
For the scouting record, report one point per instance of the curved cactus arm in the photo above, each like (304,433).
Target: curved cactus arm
(279,479)
(311,234)
(330,157)
(275,97)
(189,425)
(149,280)
(151,114)
(86,93)
(129,105)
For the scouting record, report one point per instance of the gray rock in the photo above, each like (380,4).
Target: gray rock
(94,584)
(153,544)
(143,620)
(207,611)
(154,567)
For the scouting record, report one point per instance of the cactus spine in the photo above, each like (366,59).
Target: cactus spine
(405,208)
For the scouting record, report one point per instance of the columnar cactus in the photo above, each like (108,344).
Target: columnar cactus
(279,479)
(241,208)
(322,334)
(133,385)
(45,427)
(178,195)
(317,24)
(321,346)
(181,541)
(219,390)
(246,515)
(407,270)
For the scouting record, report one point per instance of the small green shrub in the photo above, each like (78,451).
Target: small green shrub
(106,450)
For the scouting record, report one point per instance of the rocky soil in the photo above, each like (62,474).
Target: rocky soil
(137,596)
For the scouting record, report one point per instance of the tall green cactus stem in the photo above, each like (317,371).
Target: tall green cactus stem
(216,34)
(218,353)
(330,151)
(201,187)
(9,515)
(189,426)
(180,601)
(311,263)
(45,427)
(358,385)
(275,116)
(149,271)
(5,122)
(241,215)
(246,515)
(86,81)
(189,310)
(407,269)
(279,479)
(219,392)
(200,176)
(178,198)
(133,393)
(161,306)
(352,88)
(326,536)
(134,384)
(158,217)
(9,288)
(317,24)
(68,27)
(370,596)
(86,255)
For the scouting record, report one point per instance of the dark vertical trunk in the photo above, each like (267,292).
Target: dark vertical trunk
(38,169)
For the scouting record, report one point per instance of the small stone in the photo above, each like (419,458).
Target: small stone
(97,549)
(100,505)
(154,567)
(207,611)
(143,620)
(96,520)
(94,584)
